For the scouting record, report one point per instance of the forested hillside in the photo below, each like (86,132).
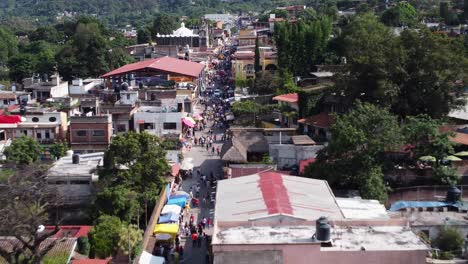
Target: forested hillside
(118,12)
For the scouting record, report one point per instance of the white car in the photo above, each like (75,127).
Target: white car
(217,93)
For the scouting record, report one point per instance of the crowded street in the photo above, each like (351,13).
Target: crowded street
(202,144)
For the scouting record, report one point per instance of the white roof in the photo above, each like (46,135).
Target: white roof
(147,258)
(183,31)
(377,238)
(270,194)
(357,208)
(64,167)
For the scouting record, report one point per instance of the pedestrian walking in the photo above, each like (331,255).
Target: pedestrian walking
(208,222)
(194,239)
(204,222)
(218,150)
(199,240)
(207,147)
(213,150)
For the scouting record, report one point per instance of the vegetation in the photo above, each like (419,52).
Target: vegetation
(58,149)
(83,245)
(26,201)
(104,236)
(134,169)
(449,240)
(23,151)
(402,14)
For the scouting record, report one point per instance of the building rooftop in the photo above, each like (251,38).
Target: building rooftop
(165,64)
(432,218)
(64,167)
(375,238)
(324,120)
(270,193)
(357,208)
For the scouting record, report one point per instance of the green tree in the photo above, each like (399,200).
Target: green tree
(163,24)
(48,33)
(373,58)
(257,65)
(446,175)
(352,158)
(21,66)
(8,45)
(116,201)
(23,151)
(444,12)
(58,149)
(424,134)
(426,87)
(83,245)
(105,235)
(280,13)
(130,239)
(449,239)
(143,35)
(403,14)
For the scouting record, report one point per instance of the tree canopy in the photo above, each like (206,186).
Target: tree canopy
(402,14)
(23,151)
(105,236)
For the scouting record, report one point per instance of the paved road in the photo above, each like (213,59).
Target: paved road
(208,163)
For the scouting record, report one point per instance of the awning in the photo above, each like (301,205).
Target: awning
(170,229)
(191,120)
(147,258)
(10,119)
(187,122)
(171,208)
(168,218)
(179,200)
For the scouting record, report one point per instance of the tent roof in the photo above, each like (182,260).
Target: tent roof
(165,64)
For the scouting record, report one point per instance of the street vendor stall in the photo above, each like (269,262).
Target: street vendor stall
(166,231)
(171,208)
(170,217)
(179,200)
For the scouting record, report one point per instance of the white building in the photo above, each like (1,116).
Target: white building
(8,98)
(42,91)
(80,86)
(158,121)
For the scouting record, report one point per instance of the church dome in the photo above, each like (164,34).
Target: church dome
(183,31)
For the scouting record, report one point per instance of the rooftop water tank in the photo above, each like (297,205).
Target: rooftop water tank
(323,229)
(453,194)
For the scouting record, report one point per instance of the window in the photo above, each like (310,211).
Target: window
(128,96)
(5,102)
(52,119)
(81,133)
(99,133)
(35,119)
(47,134)
(170,126)
(25,132)
(79,182)
(121,128)
(39,135)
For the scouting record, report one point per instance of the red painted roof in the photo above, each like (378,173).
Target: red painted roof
(275,195)
(304,163)
(165,64)
(239,172)
(91,261)
(290,98)
(70,231)
(324,120)
(10,119)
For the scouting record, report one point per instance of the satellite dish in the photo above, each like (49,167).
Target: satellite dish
(40,228)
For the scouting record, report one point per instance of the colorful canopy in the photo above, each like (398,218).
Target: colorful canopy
(169,218)
(170,229)
(187,122)
(10,119)
(179,200)
(171,208)
(189,118)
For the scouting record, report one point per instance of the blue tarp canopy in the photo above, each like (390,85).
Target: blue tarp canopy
(416,204)
(180,200)
(168,218)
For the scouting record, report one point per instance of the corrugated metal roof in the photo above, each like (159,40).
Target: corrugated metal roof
(290,98)
(62,246)
(166,64)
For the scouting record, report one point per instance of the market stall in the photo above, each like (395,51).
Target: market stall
(166,231)
(179,200)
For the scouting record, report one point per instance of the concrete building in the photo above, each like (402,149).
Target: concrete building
(227,20)
(90,133)
(274,220)
(46,125)
(43,90)
(243,62)
(287,103)
(74,177)
(82,87)
(9,98)
(158,121)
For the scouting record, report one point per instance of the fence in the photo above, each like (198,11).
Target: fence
(424,193)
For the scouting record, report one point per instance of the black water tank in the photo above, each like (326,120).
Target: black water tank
(76,158)
(323,229)
(453,194)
